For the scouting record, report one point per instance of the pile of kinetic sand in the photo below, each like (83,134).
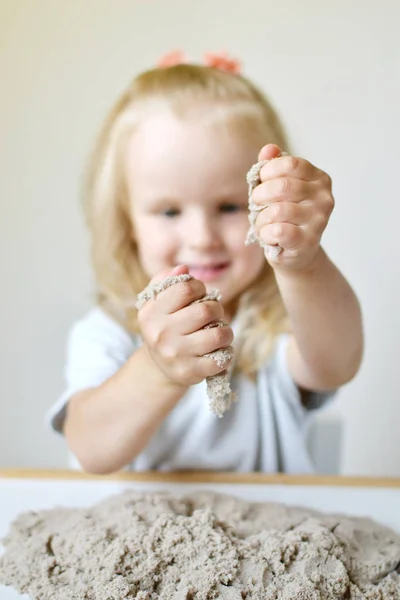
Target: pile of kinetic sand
(160,546)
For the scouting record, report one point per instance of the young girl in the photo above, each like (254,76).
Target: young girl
(166,194)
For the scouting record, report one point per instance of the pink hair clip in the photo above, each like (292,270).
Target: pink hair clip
(176,57)
(216,60)
(222,61)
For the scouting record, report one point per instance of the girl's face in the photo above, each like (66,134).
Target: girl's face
(188,191)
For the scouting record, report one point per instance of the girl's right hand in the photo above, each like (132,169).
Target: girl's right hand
(173,334)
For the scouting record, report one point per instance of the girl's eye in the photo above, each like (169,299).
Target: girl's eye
(170,213)
(230,208)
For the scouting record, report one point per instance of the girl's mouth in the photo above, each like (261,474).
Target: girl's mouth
(207,273)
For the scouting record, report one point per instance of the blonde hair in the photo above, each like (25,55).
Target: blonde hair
(230,99)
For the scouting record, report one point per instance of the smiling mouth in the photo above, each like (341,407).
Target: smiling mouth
(207,272)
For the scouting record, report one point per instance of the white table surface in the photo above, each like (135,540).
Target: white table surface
(18,495)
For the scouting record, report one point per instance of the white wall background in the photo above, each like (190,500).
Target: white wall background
(333,71)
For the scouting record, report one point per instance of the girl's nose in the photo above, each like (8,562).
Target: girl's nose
(202,232)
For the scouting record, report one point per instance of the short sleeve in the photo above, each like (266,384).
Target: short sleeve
(97,347)
(284,387)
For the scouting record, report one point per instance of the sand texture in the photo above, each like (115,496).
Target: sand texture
(160,546)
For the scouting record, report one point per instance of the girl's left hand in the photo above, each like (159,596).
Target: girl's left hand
(300,202)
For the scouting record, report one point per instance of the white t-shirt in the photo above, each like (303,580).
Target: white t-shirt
(265,430)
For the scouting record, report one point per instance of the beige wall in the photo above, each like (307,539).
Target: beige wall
(332,68)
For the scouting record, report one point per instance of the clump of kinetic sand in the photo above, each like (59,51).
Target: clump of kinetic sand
(159,546)
(253,179)
(218,386)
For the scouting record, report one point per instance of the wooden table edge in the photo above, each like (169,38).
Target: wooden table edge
(214,477)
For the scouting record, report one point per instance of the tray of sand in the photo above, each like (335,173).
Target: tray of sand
(67,535)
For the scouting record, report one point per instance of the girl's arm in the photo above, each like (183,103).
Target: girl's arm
(325,350)
(296,202)
(108,426)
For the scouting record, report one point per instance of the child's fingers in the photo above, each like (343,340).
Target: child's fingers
(291,166)
(207,366)
(198,369)
(283,212)
(208,340)
(285,235)
(182,294)
(196,316)
(179,270)
(178,295)
(269,151)
(282,189)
